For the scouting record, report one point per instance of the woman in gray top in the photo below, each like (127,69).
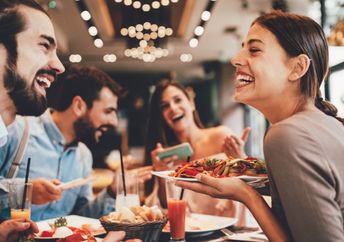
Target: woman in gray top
(279,70)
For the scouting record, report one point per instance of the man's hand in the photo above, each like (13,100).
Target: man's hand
(143,174)
(10,229)
(45,191)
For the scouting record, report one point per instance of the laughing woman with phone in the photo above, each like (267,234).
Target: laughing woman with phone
(174,120)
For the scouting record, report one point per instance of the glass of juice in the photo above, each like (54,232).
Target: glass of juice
(18,190)
(131,198)
(176,211)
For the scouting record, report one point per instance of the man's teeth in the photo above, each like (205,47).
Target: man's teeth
(43,81)
(245,78)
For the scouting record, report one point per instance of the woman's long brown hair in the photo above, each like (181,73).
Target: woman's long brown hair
(302,35)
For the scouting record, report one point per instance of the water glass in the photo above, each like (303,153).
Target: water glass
(132,196)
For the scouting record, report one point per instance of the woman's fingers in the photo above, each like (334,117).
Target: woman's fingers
(245,133)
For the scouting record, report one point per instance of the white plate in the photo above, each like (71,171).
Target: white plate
(74,221)
(165,174)
(206,223)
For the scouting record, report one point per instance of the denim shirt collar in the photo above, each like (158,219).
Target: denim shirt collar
(52,130)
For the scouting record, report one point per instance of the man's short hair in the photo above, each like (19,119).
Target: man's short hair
(85,82)
(13,22)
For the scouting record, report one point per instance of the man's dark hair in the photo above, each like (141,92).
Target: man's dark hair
(85,82)
(13,22)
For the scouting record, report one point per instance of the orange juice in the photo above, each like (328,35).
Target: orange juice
(176,216)
(20,213)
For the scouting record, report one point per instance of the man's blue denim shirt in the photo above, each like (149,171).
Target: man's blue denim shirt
(51,159)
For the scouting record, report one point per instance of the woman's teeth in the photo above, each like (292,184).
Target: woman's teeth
(245,78)
(177,117)
(43,81)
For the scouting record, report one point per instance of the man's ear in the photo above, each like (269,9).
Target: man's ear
(79,106)
(300,65)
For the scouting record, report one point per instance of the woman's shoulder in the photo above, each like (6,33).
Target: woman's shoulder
(220,131)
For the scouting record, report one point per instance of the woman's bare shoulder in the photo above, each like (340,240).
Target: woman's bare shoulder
(220,131)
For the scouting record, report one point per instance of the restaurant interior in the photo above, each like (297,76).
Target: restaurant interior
(141,42)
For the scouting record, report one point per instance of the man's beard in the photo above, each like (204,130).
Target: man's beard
(27,100)
(86,132)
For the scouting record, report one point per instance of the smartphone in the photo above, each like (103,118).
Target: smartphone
(182,151)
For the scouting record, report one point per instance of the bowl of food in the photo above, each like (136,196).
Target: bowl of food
(139,222)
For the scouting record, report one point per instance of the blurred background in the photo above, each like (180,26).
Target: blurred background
(140,42)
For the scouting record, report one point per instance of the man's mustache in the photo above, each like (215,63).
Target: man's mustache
(106,128)
(49,72)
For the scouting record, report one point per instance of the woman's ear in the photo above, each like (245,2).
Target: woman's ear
(79,106)
(300,67)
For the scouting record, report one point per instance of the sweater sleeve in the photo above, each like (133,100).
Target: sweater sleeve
(305,184)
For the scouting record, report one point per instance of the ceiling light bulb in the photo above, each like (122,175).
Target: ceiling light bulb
(193,43)
(153,35)
(146,37)
(139,27)
(118,1)
(132,30)
(169,31)
(137,4)
(124,31)
(85,15)
(127,52)
(139,35)
(147,25)
(98,43)
(128,2)
(143,43)
(145,7)
(154,27)
(174,1)
(199,30)
(165,2)
(92,31)
(155,5)
(183,57)
(75,58)
(205,15)
(161,33)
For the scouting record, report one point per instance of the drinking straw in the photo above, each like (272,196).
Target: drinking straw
(26,181)
(182,192)
(123,174)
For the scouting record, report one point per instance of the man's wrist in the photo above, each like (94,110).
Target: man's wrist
(111,192)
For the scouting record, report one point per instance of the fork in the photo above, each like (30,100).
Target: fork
(227,232)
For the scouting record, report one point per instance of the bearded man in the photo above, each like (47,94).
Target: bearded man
(84,107)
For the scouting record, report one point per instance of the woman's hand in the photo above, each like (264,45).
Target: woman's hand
(234,146)
(229,188)
(162,165)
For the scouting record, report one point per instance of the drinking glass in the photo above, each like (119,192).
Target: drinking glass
(176,211)
(132,196)
(16,194)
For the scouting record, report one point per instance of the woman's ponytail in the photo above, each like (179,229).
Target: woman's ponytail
(328,108)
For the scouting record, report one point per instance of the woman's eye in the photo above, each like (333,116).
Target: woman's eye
(254,50)
(178,100)
(163,106)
